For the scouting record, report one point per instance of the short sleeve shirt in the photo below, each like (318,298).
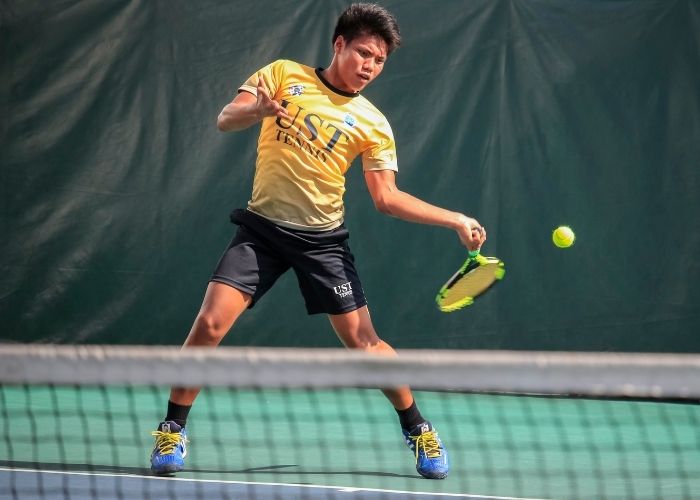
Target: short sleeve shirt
(302,160)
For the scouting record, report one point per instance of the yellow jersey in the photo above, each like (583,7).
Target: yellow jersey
(300,169)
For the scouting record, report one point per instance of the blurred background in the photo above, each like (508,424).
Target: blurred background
(115,185)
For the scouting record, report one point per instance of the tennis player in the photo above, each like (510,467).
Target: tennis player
(315,122)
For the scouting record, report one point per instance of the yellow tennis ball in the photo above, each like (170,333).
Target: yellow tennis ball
(563,237)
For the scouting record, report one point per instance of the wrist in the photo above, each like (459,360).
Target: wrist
(256,112)
(458,221)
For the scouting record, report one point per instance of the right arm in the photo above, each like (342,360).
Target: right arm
(390,200)
(247,109)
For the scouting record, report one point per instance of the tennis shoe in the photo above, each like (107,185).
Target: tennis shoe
(431,455)
(170,450)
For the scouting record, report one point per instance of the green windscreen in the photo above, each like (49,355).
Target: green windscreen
(115,185)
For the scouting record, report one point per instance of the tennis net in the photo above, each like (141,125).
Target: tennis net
(288,423)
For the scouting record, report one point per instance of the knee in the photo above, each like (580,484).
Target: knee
(371,344)
(375,347)
(356,331)
(209,328)
(363,340)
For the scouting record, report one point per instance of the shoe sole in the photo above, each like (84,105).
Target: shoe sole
(165,470)
(433,475)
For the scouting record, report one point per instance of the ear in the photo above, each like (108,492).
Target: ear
(338,44)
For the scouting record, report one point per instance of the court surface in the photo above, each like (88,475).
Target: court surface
(282,444)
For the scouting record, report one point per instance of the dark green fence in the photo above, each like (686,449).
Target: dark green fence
(116,185)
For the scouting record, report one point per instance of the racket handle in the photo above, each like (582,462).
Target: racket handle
(473,253)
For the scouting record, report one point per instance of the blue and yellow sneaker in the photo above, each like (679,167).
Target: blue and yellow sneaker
(431,455)
(170,450)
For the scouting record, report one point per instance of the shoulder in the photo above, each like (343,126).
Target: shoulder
(286,71)
(372,112)
(290,66)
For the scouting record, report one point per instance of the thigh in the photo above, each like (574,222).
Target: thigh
(220,298)
(250,265)
(221,307)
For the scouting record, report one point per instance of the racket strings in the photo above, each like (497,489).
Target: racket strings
(465,288)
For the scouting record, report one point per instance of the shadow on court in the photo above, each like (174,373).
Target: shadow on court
(273,470)
(68,467)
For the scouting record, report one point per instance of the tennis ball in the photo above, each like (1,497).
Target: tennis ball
(563,237)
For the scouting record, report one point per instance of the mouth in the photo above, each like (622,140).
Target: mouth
(364,77)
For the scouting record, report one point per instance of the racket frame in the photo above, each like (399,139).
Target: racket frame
(474,261)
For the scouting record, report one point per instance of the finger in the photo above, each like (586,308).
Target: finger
(478,235)
(261,87)
(279,110)
(471,243)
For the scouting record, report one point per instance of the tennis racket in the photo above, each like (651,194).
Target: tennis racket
(475,277)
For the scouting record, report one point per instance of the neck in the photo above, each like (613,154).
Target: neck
(332,77)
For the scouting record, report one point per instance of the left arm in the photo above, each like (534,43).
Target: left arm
(390,200)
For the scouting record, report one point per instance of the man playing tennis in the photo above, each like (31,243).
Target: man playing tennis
(314,124)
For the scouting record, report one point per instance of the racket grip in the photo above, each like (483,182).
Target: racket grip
(473,253)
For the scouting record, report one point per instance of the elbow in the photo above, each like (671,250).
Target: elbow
(383,206)
(221,123)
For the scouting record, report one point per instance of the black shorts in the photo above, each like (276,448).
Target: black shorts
(262,251)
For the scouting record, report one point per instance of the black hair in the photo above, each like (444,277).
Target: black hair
(368,19)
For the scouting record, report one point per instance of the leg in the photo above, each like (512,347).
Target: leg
(356,331)
(220,309)
(247,262)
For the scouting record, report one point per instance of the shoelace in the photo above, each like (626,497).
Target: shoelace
(166,442)
(429,443)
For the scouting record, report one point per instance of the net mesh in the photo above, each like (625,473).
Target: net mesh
(281,423)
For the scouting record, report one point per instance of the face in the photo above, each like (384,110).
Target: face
(359,61)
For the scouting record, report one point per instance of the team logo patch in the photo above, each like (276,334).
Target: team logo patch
(296,89)
(349,120)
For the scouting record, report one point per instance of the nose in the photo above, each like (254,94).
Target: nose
(368,65)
